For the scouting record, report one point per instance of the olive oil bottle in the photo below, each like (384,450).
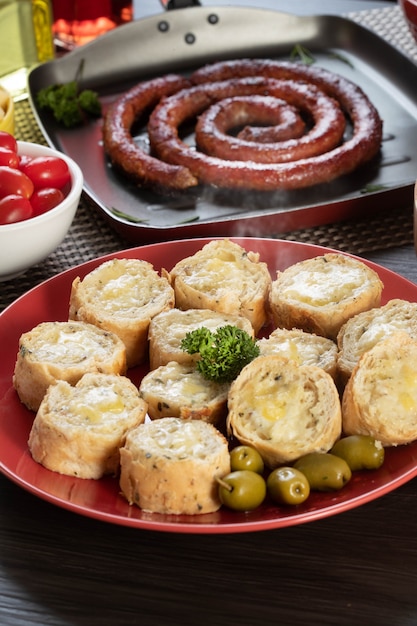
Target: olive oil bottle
(25,41)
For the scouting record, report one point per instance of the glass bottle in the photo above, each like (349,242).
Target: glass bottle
(25,41)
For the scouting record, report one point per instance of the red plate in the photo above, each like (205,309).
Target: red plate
(101,499)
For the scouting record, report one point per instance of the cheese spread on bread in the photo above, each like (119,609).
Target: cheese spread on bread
(320,294)
(170,466)
(179,390)
(284,410)
(302,348)
(361,332)
(78,430)
(63,351)
(122,296)
(168,329)
(223,277)
(380,397)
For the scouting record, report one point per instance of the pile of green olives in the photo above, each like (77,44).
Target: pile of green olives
(245,488)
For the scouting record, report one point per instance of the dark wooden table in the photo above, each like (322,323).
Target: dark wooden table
(356,568)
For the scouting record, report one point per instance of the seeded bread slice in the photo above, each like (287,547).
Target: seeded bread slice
(284,410)
(64,351)
(363,331)
(78,430)
(380,398)
(320,294)
(223,277)
(122,296)
(170,466)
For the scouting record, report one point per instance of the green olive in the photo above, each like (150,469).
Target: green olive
(246,458)
(242,490)
(287,485)
(360,452)
(324,471)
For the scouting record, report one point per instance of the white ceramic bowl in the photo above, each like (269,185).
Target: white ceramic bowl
(24,244)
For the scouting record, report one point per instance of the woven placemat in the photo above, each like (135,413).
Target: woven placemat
(91,236)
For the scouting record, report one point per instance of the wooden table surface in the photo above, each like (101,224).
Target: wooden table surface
(359,567)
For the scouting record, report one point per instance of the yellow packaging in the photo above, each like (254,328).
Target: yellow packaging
(25,41)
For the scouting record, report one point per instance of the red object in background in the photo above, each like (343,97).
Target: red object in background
(76,22)
(409,8)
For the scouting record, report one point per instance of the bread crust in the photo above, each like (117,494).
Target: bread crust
(361,332)
(302,348)
(380,398)
(320,294)
(179,390)
(167,329)
(78,430)
(63,351)
(284,410)
(223,277)
(122,296)
(170,466)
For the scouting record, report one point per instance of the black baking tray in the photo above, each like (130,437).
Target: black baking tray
(182,40)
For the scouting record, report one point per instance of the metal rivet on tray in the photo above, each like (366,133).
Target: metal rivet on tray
(189,38)
(213,18)
(163,26)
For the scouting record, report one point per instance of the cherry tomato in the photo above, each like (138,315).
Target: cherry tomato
(24,160)
(14,181)
(47,171)
(8,141)
(9,157)
(43,200)
(14,208)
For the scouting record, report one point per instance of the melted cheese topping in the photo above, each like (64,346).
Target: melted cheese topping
(69,344)
(99,404)
(301,348)
(332,284)
(179,383)
(170,327)
(122,286)
(376,332)
(221,273)
(92,405)
(178,439)
(274,406)
(393,388)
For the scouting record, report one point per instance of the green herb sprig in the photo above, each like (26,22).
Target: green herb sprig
(223,353)
(69,105)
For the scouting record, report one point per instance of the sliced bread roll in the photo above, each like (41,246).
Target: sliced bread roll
(223,277)
(63,351)
(320,294)
(122,296)
(78,430)
(170,466)
(363,331)
(284,410)
(179,390)
(380,398)
(168,329)
(302,348)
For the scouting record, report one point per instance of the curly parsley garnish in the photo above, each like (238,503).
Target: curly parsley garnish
(223,353)
(69,105)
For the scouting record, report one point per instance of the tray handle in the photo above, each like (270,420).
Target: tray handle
(169,5)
